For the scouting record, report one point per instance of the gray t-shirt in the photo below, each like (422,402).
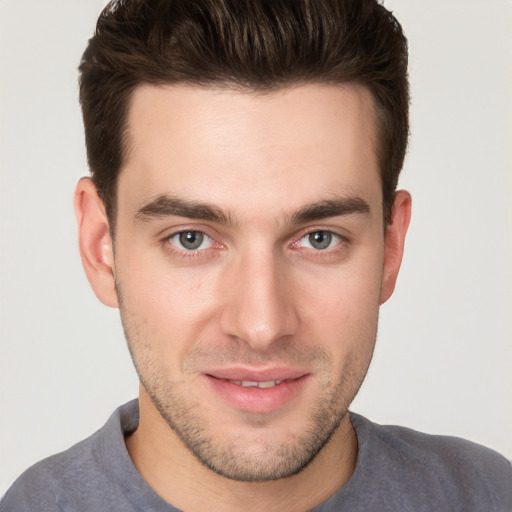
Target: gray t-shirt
(397,470)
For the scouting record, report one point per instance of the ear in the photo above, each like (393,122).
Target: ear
(394,243)
(95,243)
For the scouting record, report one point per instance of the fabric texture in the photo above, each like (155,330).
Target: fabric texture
(398,470)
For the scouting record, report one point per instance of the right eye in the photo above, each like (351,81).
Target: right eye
(190,240)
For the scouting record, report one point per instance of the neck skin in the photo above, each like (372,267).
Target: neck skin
(180,479)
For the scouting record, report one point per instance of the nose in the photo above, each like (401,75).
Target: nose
(259,307)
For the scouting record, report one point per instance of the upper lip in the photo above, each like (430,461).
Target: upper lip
(255,374)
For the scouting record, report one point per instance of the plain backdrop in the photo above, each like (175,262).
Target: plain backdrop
(443,362)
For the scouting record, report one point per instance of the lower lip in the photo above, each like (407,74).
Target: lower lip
(254,399)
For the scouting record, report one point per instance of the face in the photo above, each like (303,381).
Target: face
(250,262)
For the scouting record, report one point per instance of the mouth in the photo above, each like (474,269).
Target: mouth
(257,392)
(256,384)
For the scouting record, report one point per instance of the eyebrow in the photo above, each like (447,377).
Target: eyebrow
(330,208)
(167,206)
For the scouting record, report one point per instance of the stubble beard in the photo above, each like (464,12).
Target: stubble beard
(238,459)
(235,458)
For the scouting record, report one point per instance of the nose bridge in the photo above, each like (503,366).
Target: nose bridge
(259,309)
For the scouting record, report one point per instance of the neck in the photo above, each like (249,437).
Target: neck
(180,479)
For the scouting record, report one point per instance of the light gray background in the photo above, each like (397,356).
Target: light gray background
(444,357)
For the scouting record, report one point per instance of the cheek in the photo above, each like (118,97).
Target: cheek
(343,313)
(344,294)
(167,306)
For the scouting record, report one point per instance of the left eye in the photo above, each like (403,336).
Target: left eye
(191,240)
(320,240)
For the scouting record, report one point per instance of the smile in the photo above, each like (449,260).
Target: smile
(255,384)
(257,393)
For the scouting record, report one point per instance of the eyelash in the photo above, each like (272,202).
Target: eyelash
(183,252)
(191,253)
(328,250)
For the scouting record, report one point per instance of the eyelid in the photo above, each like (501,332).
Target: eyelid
(342,239)
(206,238)
(166,236)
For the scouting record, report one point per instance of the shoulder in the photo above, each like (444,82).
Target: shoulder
(456,471)
(40,487)
(65,480)
(451,454)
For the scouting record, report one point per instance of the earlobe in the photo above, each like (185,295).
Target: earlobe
(95,242)
(394,243)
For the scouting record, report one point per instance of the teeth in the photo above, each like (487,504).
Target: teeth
(269,384)
(255,384)
(249,384)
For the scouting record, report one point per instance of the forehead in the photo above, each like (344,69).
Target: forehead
(291,146)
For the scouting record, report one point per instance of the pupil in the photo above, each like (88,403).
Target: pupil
(320,239)
(191,239)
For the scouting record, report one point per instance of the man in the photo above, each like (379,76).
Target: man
(242,215)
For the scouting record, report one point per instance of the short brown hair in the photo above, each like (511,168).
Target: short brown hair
(251,45)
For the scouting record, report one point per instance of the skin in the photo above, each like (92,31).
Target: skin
(261,176)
